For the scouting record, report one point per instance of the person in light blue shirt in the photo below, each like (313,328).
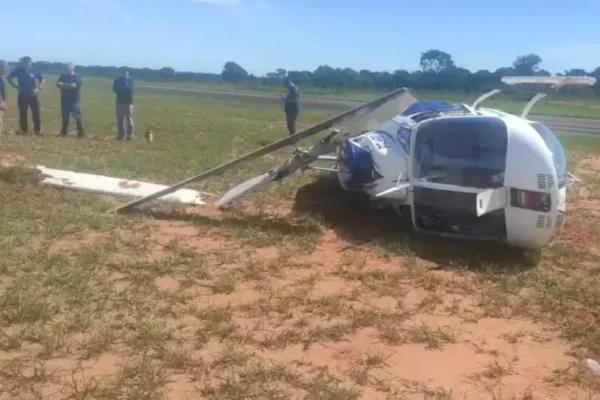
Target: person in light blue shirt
(29,83)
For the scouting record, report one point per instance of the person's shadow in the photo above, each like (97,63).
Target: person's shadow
(349,215)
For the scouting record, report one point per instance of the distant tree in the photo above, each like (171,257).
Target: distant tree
(436,61)
(234,73)
(596,74)
(576,72)
(366,78)
(505,71)
(527,65)
(542,72)
(437,71)
(166,72)
(481,79)
(281,73)
(325,76)
(300,77)
(350,78)
(403,78)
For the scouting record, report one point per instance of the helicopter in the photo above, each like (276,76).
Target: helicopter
(454,170)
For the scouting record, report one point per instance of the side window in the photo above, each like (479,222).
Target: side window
(403,136)
(558,153)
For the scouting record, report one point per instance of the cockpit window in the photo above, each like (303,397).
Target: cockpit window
(558,153)
(462,151)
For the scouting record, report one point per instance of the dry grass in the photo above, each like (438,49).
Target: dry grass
(302,293)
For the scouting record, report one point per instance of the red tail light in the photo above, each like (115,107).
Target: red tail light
(530,200)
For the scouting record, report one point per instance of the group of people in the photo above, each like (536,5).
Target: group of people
(29,82)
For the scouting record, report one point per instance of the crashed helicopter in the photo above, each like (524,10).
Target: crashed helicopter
(455,170)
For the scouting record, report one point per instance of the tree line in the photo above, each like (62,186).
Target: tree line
(437,71)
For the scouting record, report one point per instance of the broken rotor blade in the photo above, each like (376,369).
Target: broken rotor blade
(320,127)
(245,187)
(301,159)
(359,123)
(594,366)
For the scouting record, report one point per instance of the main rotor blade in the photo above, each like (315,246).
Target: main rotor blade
(245,187)
(301,159)
(359,123)
(363,109)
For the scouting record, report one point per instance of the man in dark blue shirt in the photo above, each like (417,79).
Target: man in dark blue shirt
(69,84)
(29,84)
(3,70)
(292,106)
(123,87)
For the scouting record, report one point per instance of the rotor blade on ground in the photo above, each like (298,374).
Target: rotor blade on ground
(594,366)
(245,187)
(363,108)
(301,159)
(288,167)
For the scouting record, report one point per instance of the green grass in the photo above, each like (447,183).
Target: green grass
(98,305)
(567,106)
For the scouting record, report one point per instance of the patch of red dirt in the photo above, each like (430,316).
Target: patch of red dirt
(325,289)
(589,162)
(78,241)
(11,158)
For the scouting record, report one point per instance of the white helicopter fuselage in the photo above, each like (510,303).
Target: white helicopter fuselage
(472,174)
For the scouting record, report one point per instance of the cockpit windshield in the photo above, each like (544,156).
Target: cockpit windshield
(558,154)
(468,151)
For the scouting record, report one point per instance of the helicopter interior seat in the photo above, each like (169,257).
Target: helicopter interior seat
(424,157)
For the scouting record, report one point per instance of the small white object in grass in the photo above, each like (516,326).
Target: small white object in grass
(594,366)
(149,136)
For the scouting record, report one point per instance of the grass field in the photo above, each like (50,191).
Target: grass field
(585,107)
(299,292)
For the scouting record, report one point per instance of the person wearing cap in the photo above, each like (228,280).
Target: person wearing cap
(69,84)
(29,83)
(3,70)
(123,87)
(292,106)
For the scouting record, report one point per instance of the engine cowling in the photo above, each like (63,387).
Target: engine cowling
(355,166)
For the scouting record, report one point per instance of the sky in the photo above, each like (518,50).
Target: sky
(263,35)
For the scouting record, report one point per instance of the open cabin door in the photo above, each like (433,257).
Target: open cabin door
(457,177)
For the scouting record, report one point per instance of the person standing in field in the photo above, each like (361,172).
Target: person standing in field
(3,70)
(124,87)
(69,84)
(292,106)
(30,82)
